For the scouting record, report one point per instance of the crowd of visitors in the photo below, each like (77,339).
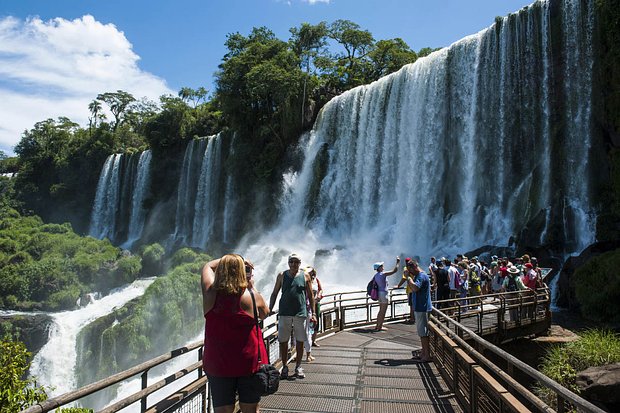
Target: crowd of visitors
(233,344)
(469,277)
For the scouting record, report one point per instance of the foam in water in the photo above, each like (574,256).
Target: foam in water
(450,153)
(54,364)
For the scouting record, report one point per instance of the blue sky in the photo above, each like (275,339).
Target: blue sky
(57,55)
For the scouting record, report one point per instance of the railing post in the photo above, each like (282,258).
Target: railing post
(342,310)
(144,386)
(560,408)
(209,398)
(480,315)
(200,374)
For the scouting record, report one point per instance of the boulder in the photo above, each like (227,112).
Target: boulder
(32,330)
(601,385)
(566,291)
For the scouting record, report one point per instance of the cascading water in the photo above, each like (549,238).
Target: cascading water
(118,213)
(140,190)
(450,153)
(54,364)
(103,218)
(198,193)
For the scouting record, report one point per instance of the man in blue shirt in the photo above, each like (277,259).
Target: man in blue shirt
(421,286)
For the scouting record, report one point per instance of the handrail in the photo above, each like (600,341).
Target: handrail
(49,404)
(531,372)
(334,306)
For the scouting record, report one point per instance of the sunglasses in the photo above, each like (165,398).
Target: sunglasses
(294,262)
(248,269)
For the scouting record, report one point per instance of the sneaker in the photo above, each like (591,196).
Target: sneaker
(299,372)
(284,373)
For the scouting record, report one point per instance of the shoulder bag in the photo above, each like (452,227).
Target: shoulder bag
(267,376)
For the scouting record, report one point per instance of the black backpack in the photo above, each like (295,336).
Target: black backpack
(512,283)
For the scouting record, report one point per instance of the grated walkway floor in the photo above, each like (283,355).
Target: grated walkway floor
(362,371)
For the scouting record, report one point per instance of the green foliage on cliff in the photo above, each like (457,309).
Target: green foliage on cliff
(597,287)
(608,14)
(168,314)
(608,116)
(16,393)
(48,266)
(563,362)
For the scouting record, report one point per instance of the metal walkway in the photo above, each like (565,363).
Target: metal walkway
(362,371)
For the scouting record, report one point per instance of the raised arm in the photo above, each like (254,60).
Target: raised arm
(207,278)
(393,270)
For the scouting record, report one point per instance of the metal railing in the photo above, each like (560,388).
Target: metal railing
(482,386)
(473,373)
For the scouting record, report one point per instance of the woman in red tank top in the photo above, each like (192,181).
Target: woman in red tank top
(232,344)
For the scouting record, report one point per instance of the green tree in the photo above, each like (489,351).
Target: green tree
(16,393)
(309,43)
(117,102)
(357,43)
(96,116)
(388,56)
(259,89)
(195,96)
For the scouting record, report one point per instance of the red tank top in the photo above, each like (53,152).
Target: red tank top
(231,342)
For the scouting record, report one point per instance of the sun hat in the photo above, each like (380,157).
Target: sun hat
(513,270)
(376,265)
(294,256)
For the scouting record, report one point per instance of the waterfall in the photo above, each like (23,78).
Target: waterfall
(140,190)
(54,364)
(103,217)
(453,152)
(118,213)
(197,199)
(205,208)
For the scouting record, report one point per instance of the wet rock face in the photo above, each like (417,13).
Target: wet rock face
(566,290)
(601,386)
(32,330)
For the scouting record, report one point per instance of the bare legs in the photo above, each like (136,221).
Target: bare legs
(425,354)
(381,316)
(299,350)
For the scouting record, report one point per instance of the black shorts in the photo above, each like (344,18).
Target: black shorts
(224,390)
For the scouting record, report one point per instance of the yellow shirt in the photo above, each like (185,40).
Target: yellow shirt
(406,275)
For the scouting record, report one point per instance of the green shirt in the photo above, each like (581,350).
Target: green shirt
(293,299)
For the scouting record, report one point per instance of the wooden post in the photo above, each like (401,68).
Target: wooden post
(560,408)
(144,386)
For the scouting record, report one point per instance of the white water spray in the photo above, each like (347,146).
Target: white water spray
(54,364)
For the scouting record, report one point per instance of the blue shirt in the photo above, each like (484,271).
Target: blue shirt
(422,297)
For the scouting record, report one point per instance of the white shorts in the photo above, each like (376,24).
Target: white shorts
(289,324)
(383,297)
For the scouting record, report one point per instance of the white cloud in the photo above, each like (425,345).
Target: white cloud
(316,1)
(55,68)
